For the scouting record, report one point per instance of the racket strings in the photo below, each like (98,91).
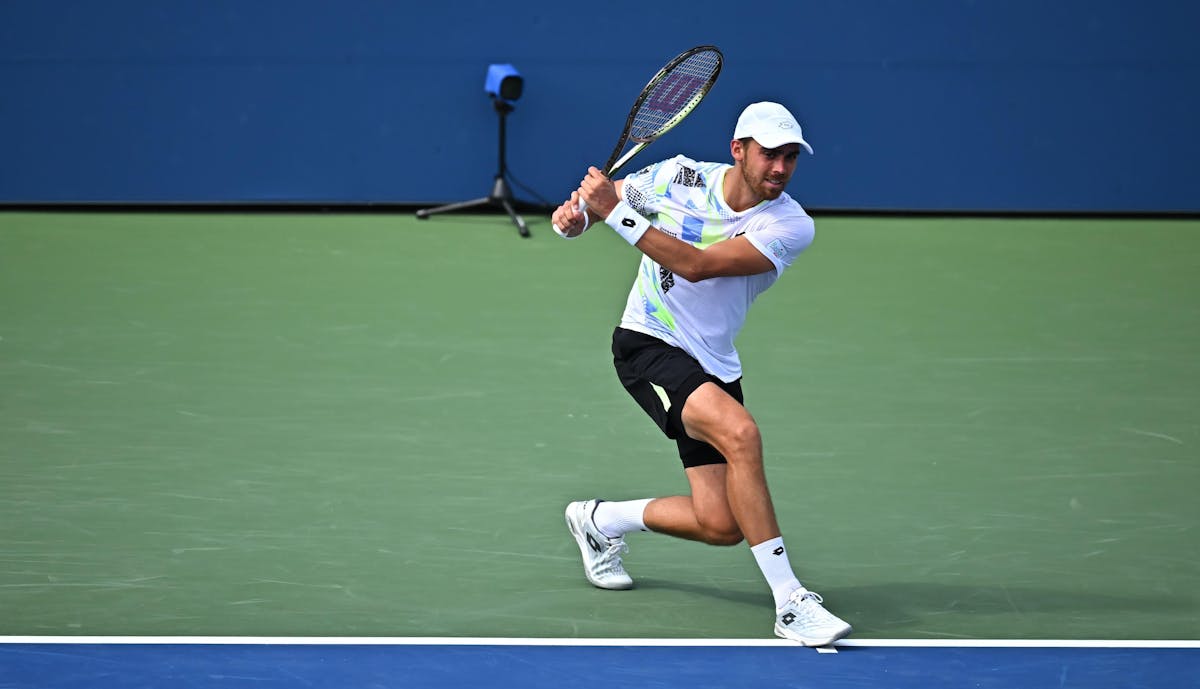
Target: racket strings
(675,95)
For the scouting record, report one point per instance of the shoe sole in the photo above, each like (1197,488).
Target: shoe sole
(812,642)
(584,549)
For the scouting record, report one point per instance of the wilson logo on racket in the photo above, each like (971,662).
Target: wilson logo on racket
(675,92)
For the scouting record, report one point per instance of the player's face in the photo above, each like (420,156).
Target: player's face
(768,170)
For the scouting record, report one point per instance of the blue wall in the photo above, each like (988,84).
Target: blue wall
(910,104)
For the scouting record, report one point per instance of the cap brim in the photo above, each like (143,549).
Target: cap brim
(776,142)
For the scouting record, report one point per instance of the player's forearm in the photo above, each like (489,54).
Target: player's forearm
(675,255)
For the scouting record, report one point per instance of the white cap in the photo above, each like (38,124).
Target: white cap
(771,125)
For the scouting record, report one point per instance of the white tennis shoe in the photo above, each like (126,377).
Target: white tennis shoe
(804,620)
(601,554)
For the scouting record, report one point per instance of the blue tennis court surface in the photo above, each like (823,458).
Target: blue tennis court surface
(536,663)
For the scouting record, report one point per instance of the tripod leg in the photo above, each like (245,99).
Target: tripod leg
(518,220)
(426,212)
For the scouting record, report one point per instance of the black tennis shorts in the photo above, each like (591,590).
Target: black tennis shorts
(646,365)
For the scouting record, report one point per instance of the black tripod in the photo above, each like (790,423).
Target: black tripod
(501,194)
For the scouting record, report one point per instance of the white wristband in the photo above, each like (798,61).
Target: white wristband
(627,222)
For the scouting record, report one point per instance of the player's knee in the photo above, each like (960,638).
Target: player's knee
(721,532)
(727,538)
(744,441)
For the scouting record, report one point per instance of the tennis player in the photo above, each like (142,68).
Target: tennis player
(713,237)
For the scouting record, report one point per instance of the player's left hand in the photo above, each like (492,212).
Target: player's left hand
(568,221)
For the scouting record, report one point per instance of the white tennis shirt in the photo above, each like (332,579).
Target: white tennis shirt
(686,199)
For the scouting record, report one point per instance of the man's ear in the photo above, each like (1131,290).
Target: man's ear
(736,150)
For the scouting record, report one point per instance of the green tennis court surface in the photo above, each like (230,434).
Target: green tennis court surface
(360,425)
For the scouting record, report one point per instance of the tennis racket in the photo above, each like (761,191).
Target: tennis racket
(671,95)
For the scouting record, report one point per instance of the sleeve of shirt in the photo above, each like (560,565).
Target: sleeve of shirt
(644,189)
(784,239)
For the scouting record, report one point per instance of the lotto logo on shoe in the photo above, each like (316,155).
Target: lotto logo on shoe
(778,551)
(788,618)
(594,544)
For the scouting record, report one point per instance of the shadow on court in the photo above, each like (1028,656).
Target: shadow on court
(1024,609)
(911,604)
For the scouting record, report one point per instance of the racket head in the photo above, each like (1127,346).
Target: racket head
(670,96)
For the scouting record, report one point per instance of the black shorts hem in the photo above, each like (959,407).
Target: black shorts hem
(650,369)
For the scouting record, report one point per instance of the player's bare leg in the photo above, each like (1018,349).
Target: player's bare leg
(712,415)
(702,516)
(729,502)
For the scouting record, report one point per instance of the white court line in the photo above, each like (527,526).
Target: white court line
(485,641)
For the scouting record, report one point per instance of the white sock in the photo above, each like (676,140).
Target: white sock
(773,561)
(615,519)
